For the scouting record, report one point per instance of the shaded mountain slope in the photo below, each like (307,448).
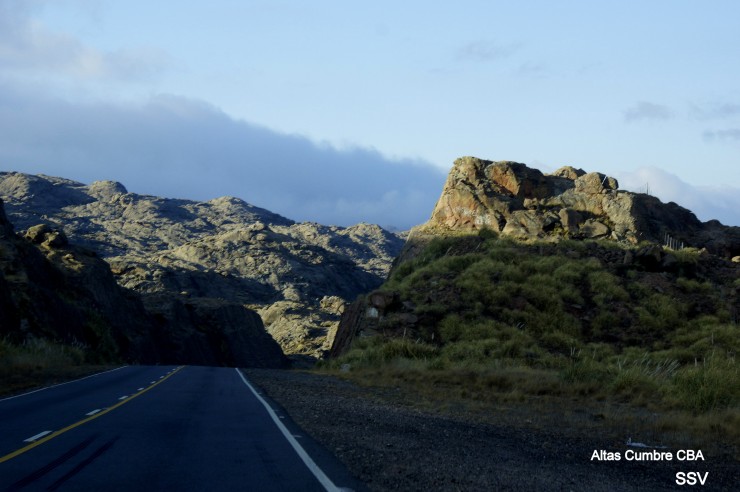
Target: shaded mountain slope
(53,290)
(298,275)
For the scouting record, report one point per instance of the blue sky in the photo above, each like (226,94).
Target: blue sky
(341,111)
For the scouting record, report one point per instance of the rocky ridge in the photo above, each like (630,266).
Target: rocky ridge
(523,203)
(173,251)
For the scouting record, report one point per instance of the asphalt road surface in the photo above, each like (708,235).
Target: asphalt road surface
(158,428)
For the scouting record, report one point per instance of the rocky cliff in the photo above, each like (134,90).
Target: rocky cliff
(186,253)
(523,203)
(53,289)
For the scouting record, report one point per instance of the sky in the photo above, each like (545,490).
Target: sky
(341,112)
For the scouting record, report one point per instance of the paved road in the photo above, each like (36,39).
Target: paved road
(157,428)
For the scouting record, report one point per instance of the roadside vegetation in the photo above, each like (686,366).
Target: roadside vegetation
(39,362)
(502,321)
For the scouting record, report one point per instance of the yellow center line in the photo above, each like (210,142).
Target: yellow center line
(84,421)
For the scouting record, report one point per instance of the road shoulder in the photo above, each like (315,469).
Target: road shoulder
(390,445)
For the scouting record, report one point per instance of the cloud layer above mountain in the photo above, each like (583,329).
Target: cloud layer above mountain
(185,148)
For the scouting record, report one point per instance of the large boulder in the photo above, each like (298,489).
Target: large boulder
(595,183)
(523,203)
(47,236)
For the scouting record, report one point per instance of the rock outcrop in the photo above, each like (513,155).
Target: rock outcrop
(50,289)
(223,250)
(53,289)
(523,203)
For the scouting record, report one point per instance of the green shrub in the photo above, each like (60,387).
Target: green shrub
(437,248)
(560,342)
(687,256)
(567,245)
(402,271)
(710,385)
(604,324)
(584,370)
(454,328)
(633,383)
(487,233)
(38,354)
(503,251)
(376,351)
(693,286)
(658,313)
(470,351)
(541,293)
(706,336)
(606,288)
(600,352)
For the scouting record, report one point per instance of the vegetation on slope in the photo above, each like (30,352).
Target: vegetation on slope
(498,319)
(39,362)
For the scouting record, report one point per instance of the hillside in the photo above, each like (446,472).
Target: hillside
(525,285)
(171,251)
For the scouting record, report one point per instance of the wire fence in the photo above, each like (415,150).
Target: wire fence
(644,189)
(670,242)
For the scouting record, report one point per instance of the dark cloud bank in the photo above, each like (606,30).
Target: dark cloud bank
(182,148)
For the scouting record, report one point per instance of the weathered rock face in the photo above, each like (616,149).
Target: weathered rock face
(52,289)
(224,249)
(523,203)
(211,332)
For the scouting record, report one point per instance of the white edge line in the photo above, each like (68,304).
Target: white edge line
(62,384)
(37,436)
(312,466)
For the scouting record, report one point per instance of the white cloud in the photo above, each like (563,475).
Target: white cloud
(28,47)
(720,202)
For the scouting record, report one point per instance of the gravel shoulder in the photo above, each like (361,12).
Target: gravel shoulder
(389,443)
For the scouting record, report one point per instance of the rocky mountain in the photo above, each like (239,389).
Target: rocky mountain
(177,253)
(523,203)
(54,290)
(632,235)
